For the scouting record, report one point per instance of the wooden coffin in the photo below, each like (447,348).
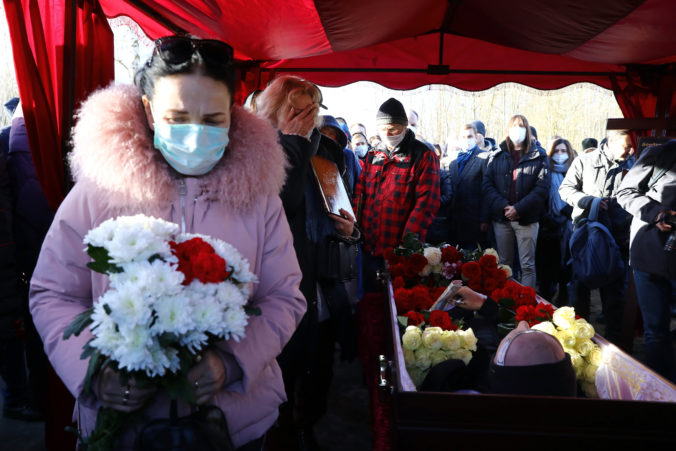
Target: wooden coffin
(436,421)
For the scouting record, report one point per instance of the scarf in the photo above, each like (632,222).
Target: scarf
(463,158)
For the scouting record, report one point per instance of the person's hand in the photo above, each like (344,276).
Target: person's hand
(471,300)
(604,204)
(299,123)
(661,225)
(344,224)
(511,213)
(125,398)
(483,227)
(207,377)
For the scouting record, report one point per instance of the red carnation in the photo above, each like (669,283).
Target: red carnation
(421,297)
(471,270)
(398,282)
(488,262)
(439,318)
(398,270)
(475,285)
(449,254)
(490,284)
(414,318)
(403,300)
(416,263)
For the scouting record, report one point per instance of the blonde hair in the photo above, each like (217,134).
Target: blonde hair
(272,103)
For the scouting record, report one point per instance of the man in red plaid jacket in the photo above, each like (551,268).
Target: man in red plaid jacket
(398,190)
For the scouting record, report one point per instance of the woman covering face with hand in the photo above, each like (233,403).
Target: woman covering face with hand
(176,148)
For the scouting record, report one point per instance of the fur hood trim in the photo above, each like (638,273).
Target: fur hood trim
(113,150)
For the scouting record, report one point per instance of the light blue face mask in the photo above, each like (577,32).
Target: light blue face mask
(191,149)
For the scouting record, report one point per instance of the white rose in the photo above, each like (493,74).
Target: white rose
(491,251)
(412,338)
(583,330)
(423,358)
(426,271)
(467,339)
(545,326)
(590,373)
(462,354)
(431,337)
(438,356)
(564,317)
(433,255)
(506,269)
(409,357)
(450,340)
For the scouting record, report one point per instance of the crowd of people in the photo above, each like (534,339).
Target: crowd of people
(137,150)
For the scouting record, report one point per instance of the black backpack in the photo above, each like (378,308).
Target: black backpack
(596,257)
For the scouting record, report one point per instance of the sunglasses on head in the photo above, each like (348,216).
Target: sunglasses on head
(180,49)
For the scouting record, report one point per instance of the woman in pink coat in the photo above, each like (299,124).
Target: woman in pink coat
(176,148)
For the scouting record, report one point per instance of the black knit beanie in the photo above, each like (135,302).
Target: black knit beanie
(391,112)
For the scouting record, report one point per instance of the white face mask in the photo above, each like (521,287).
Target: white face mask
(517,134)
(560,158)
(392,141)
(470,143)
(361,150)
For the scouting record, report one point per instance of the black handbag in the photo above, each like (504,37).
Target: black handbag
(206,430)
(337,260)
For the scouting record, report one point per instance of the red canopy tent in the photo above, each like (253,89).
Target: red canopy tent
(63,50)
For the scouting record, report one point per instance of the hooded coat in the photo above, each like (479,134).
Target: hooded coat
(118,171)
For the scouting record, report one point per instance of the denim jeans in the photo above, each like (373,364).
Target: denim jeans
(506,233)
(655,294)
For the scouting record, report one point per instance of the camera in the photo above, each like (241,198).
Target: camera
(670,245)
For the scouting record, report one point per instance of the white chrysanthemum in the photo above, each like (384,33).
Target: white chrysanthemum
(128,305)
(194,341)
(174,315)
(102,235)
(162,360)
(158,278)
(106,337)
(433,255)
(491,251)
(229,295)
(207,313)
(133,353)
(235,321)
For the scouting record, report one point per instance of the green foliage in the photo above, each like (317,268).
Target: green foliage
(252,311)
(101,261)
(81,321)
(412,243)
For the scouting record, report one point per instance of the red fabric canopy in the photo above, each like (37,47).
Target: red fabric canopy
(471,45)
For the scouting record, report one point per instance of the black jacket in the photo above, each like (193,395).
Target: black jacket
(532,184)
(645,202)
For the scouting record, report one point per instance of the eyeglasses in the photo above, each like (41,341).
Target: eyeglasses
(180,49)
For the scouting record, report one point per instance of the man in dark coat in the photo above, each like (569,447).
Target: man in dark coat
(648,191)
(398,190)
(468,213)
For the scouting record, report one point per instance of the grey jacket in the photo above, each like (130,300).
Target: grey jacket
(468,210)
(592,175)
(645,203)
(532,184)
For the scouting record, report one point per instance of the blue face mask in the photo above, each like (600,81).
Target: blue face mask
(191,149)
(361,150)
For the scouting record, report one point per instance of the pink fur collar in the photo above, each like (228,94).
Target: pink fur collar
(113,150)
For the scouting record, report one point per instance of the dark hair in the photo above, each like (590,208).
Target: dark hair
(156,68)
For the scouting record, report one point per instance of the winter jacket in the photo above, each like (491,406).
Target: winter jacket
(592,175)
(31,211)
(647,241)
(11,310)
(118,171)
(532,184)
(397,193)
(468,210)
(439,230)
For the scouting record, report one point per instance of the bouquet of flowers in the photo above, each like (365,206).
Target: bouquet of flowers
(420,273)
(170,297)
(575,334)
(432,338)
